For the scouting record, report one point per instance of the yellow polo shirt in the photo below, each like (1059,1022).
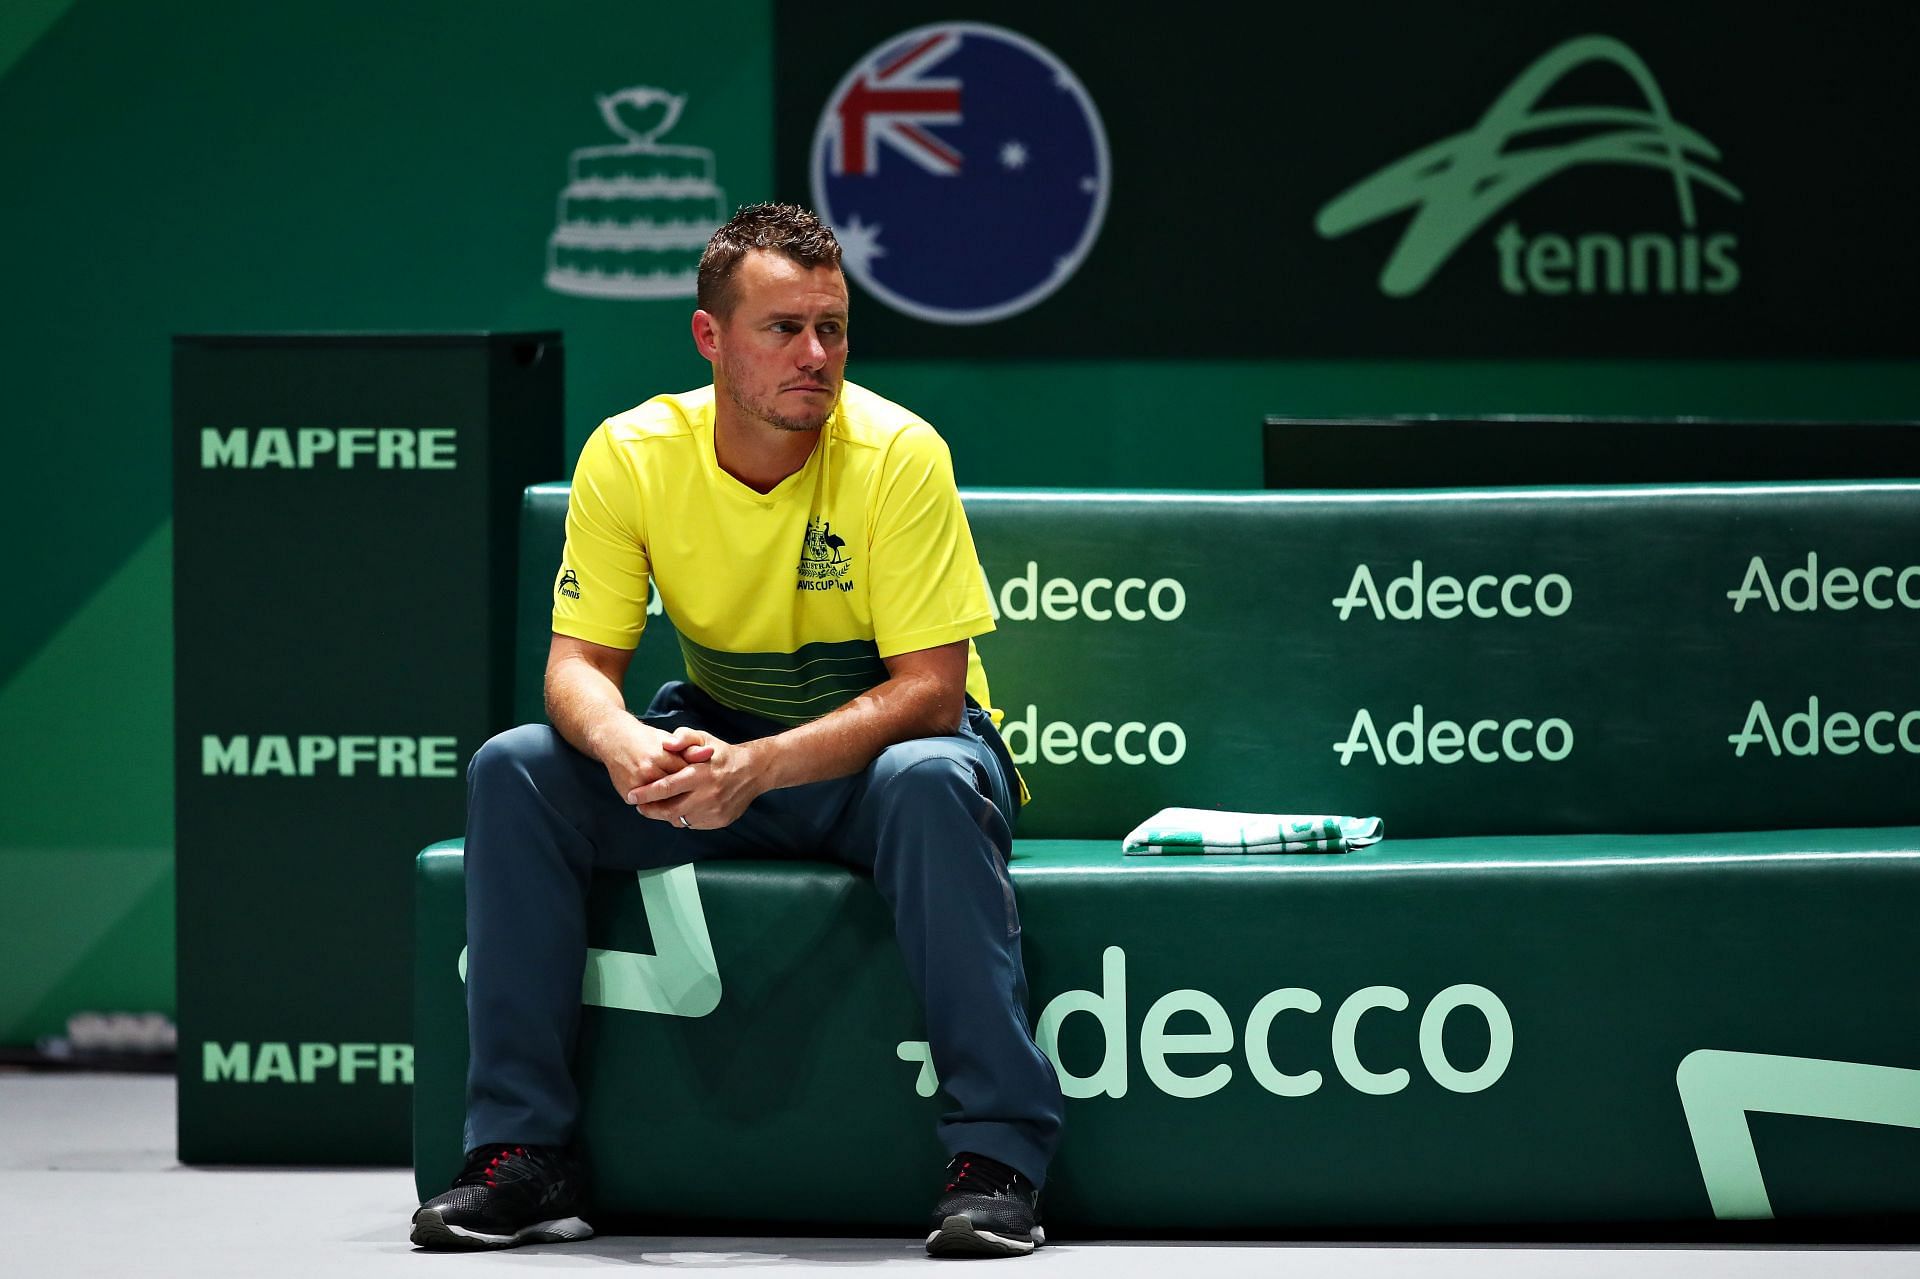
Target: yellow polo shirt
(787,601)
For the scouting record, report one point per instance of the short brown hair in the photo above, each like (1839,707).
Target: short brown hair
(786,229)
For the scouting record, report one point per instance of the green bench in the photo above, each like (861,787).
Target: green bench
(1548,998)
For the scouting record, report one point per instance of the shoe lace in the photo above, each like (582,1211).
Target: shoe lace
(968,1173)
(484,1161)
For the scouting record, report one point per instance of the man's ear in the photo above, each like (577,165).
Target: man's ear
(706,335)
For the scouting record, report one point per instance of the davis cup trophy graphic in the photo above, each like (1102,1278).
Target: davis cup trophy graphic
(634,218)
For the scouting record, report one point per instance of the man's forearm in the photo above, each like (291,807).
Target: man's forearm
(846,740)
(581,704)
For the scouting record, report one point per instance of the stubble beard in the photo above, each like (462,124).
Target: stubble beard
(765,412)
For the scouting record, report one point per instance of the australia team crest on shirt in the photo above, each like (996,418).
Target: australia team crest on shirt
(824,562)
(964,169)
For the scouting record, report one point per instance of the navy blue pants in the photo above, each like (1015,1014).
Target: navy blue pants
(929,819)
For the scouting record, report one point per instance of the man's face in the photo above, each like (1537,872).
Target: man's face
(781,356)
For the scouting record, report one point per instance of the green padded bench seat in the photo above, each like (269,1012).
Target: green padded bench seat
(1520,1031)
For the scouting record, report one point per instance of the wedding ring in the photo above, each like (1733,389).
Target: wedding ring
(685,823)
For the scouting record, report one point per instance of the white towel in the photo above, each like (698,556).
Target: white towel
(1180,831)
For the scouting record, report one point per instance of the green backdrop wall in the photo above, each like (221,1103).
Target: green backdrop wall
(230,167)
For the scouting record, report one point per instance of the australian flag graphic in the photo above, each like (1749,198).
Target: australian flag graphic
(964,169)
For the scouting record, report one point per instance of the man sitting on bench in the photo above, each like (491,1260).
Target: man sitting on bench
(807,539)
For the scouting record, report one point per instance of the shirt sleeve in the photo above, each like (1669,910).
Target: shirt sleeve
(925,582)
(600,592)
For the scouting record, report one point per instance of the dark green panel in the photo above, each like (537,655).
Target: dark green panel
(1612,959)
(344,505)
(1439,452)
(1647,664)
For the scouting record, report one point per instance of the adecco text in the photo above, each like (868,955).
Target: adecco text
(1159,1045)
(1098,599)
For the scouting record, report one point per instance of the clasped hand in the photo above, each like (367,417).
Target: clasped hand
(689,778)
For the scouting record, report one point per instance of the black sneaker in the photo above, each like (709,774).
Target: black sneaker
(987,1210)
(504,1197)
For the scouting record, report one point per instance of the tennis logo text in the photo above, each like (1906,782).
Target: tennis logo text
(1599,263)
(386,448)
(1462,181)
(313,756)
(275,1062)
(1411,597)
(1804,588)
(1446,741)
